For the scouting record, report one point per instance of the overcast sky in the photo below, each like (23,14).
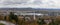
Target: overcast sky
(30,3)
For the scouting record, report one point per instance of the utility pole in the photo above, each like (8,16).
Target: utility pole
(34,16)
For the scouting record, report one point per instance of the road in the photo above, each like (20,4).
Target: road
(6,23)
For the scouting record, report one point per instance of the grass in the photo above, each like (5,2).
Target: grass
(2,24)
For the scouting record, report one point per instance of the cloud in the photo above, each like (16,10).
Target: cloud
(30,3)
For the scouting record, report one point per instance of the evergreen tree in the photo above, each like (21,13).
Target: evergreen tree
(5,18)
(41,21)
(13,17)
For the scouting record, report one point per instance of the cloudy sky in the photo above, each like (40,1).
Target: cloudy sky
(30,3)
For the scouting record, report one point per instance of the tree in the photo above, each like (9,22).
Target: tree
(57,21)
(5,18)
(53,22)
(41,21)
(13,17)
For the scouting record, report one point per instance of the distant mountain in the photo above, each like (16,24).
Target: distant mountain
(16,9)
(29,9)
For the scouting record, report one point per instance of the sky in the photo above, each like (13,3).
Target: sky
(30,3)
